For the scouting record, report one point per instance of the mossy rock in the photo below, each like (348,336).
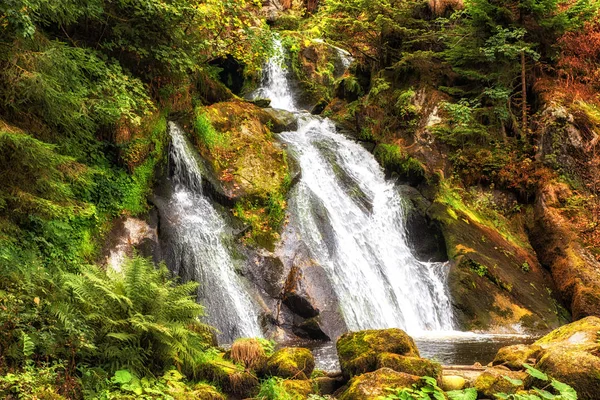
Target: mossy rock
(515,356)
(230,377)
(297,389)
(584,331)
(374,385)
(410,365)
(249,352)
(575,365)
(358,351)
(493,381)
(453,382)
(205,391)
(290,363)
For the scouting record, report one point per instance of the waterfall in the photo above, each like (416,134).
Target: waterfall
(276,80)
(196,247)
(352,220)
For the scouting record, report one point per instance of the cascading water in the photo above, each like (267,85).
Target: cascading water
(196,249)
(352,221)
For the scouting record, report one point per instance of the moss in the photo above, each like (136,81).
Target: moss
(249,352)
(297,389)
(205,391)
(584,331)
(410,365)
(358,351)
(493,381)
(374,385)
(394,160)
(230,377)
(292,363)
(575,365)
(515,356)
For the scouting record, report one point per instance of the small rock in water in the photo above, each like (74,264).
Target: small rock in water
(453,382)
(261,102)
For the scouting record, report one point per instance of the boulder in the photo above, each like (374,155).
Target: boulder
(297,390)
(327,385)
(260,102)
(205,391)
(515,356)
(282,120)
(493,381)
(290,363)
(453,382)
(231,377)
(374,385)
(410,365)
(359,352)
(575,365)
(582,332)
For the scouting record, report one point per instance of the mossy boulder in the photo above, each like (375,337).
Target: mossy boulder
(290,363)
(205,391)
(584,331)
(281,120)
(359,352)
(249,352)
(575,365)
(230,377)
(410,365)
(453,382)
(493,381)
(297,389)
(374,385)
(515,356)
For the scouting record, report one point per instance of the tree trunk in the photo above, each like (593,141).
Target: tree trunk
(524,96)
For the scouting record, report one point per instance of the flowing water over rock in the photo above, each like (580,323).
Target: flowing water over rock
(351,220)
(196,249)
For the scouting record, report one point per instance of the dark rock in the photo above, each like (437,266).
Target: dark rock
(319,107)
(327,385)
(262,103)
(424,235)
(310,329)
(296,297)
(282,120)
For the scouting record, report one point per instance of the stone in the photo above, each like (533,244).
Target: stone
(582,332)
(359,351)
(260,102)
(410,365)
(297,390)
(374,385)
(282,120)
(453,382)
(493,381)
(290,363)
(515,356)
(327,385)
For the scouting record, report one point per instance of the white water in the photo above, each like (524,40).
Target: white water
(197,249)
(352,221)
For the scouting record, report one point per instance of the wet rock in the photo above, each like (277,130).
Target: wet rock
(282,120)
(374,385)
(515,356)
(453,382)
(260,102)
(129,235)
(296,296)
(360,352)
(268,273)
(310,329)
(327,385)
(291,363)
(319,107)
(410,365)
(582,332)
(424,235)
(493,381)
(495,280)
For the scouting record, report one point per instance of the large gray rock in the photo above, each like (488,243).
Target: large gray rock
(282,120)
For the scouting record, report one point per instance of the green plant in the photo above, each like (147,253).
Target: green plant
(139,318)
(273,389)
(561,390)
(425,391)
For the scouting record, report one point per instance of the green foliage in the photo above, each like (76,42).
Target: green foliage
(139,319)
(561,390)
(206,133)
(466,394)
(33,383)
(426,391)
(273,389)
(394,159)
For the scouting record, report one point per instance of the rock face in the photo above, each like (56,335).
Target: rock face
(291,363)
(361,352)
(495,281)
(374,385)
(570,354)
(575,271)
(282,120)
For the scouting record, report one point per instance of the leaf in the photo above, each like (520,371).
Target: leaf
(28,345)
(466,394)
(544,394)
(514,382)
(566,391)
(536,373)
(122,376)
